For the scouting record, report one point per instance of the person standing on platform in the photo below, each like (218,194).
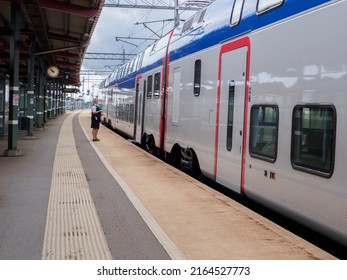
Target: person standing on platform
(96,119)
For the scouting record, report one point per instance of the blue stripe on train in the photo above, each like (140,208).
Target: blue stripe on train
(216,29)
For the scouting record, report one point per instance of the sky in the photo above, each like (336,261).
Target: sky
(120,22)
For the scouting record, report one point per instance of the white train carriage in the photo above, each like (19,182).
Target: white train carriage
(253,95)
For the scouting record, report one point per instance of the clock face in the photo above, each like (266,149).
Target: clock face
(53,71)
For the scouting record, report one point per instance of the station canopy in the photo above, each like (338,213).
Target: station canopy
(60,29)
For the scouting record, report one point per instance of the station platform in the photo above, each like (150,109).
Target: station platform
(68,197)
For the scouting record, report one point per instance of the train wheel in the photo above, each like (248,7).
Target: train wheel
(109,124)
(185,160)
(190,163)
(175,157)
(150,144)
(195,170)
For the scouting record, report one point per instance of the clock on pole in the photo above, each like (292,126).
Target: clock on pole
(53,71)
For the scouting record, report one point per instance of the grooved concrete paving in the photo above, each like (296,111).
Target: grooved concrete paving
(73,230)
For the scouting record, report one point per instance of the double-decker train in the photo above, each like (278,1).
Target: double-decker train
(252,94)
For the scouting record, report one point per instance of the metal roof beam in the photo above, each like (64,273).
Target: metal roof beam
(154,7)
(62,7)
(64,38)
(108,56)
(68,55)
(69,8)
(35,16)
(5,31)
(64,64)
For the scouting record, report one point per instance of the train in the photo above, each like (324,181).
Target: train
(252,95)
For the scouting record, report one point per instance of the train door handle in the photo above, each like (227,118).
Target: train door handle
(240,132)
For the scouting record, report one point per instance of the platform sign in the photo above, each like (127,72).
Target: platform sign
(15,99)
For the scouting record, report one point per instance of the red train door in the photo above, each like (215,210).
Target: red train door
(231,120)
(136,103)
(139,108)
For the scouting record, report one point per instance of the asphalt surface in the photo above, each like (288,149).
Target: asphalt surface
(127,235)
(25,184)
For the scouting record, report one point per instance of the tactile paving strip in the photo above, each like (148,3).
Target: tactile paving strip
(73,230)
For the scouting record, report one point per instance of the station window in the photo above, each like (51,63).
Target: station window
(267,5)
(313,139)
(264,132)
(197,77)
(149,86)
(156,91)
(236,12)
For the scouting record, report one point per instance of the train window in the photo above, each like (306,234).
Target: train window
(267,5)
(236,12)
(127,112)
(264,132)
(154,47)
(127,70)
(131,66)
(136,63)
(117,114)
(202,16)
(118,73)
(156,91)
(131,113)
(149,86)
(123,71)
(122,111)
(176,92)
(197,77)
(313,139)
(144,88)
(187,25)
(140,60)
(139,102)
(109,95)
(230,115)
